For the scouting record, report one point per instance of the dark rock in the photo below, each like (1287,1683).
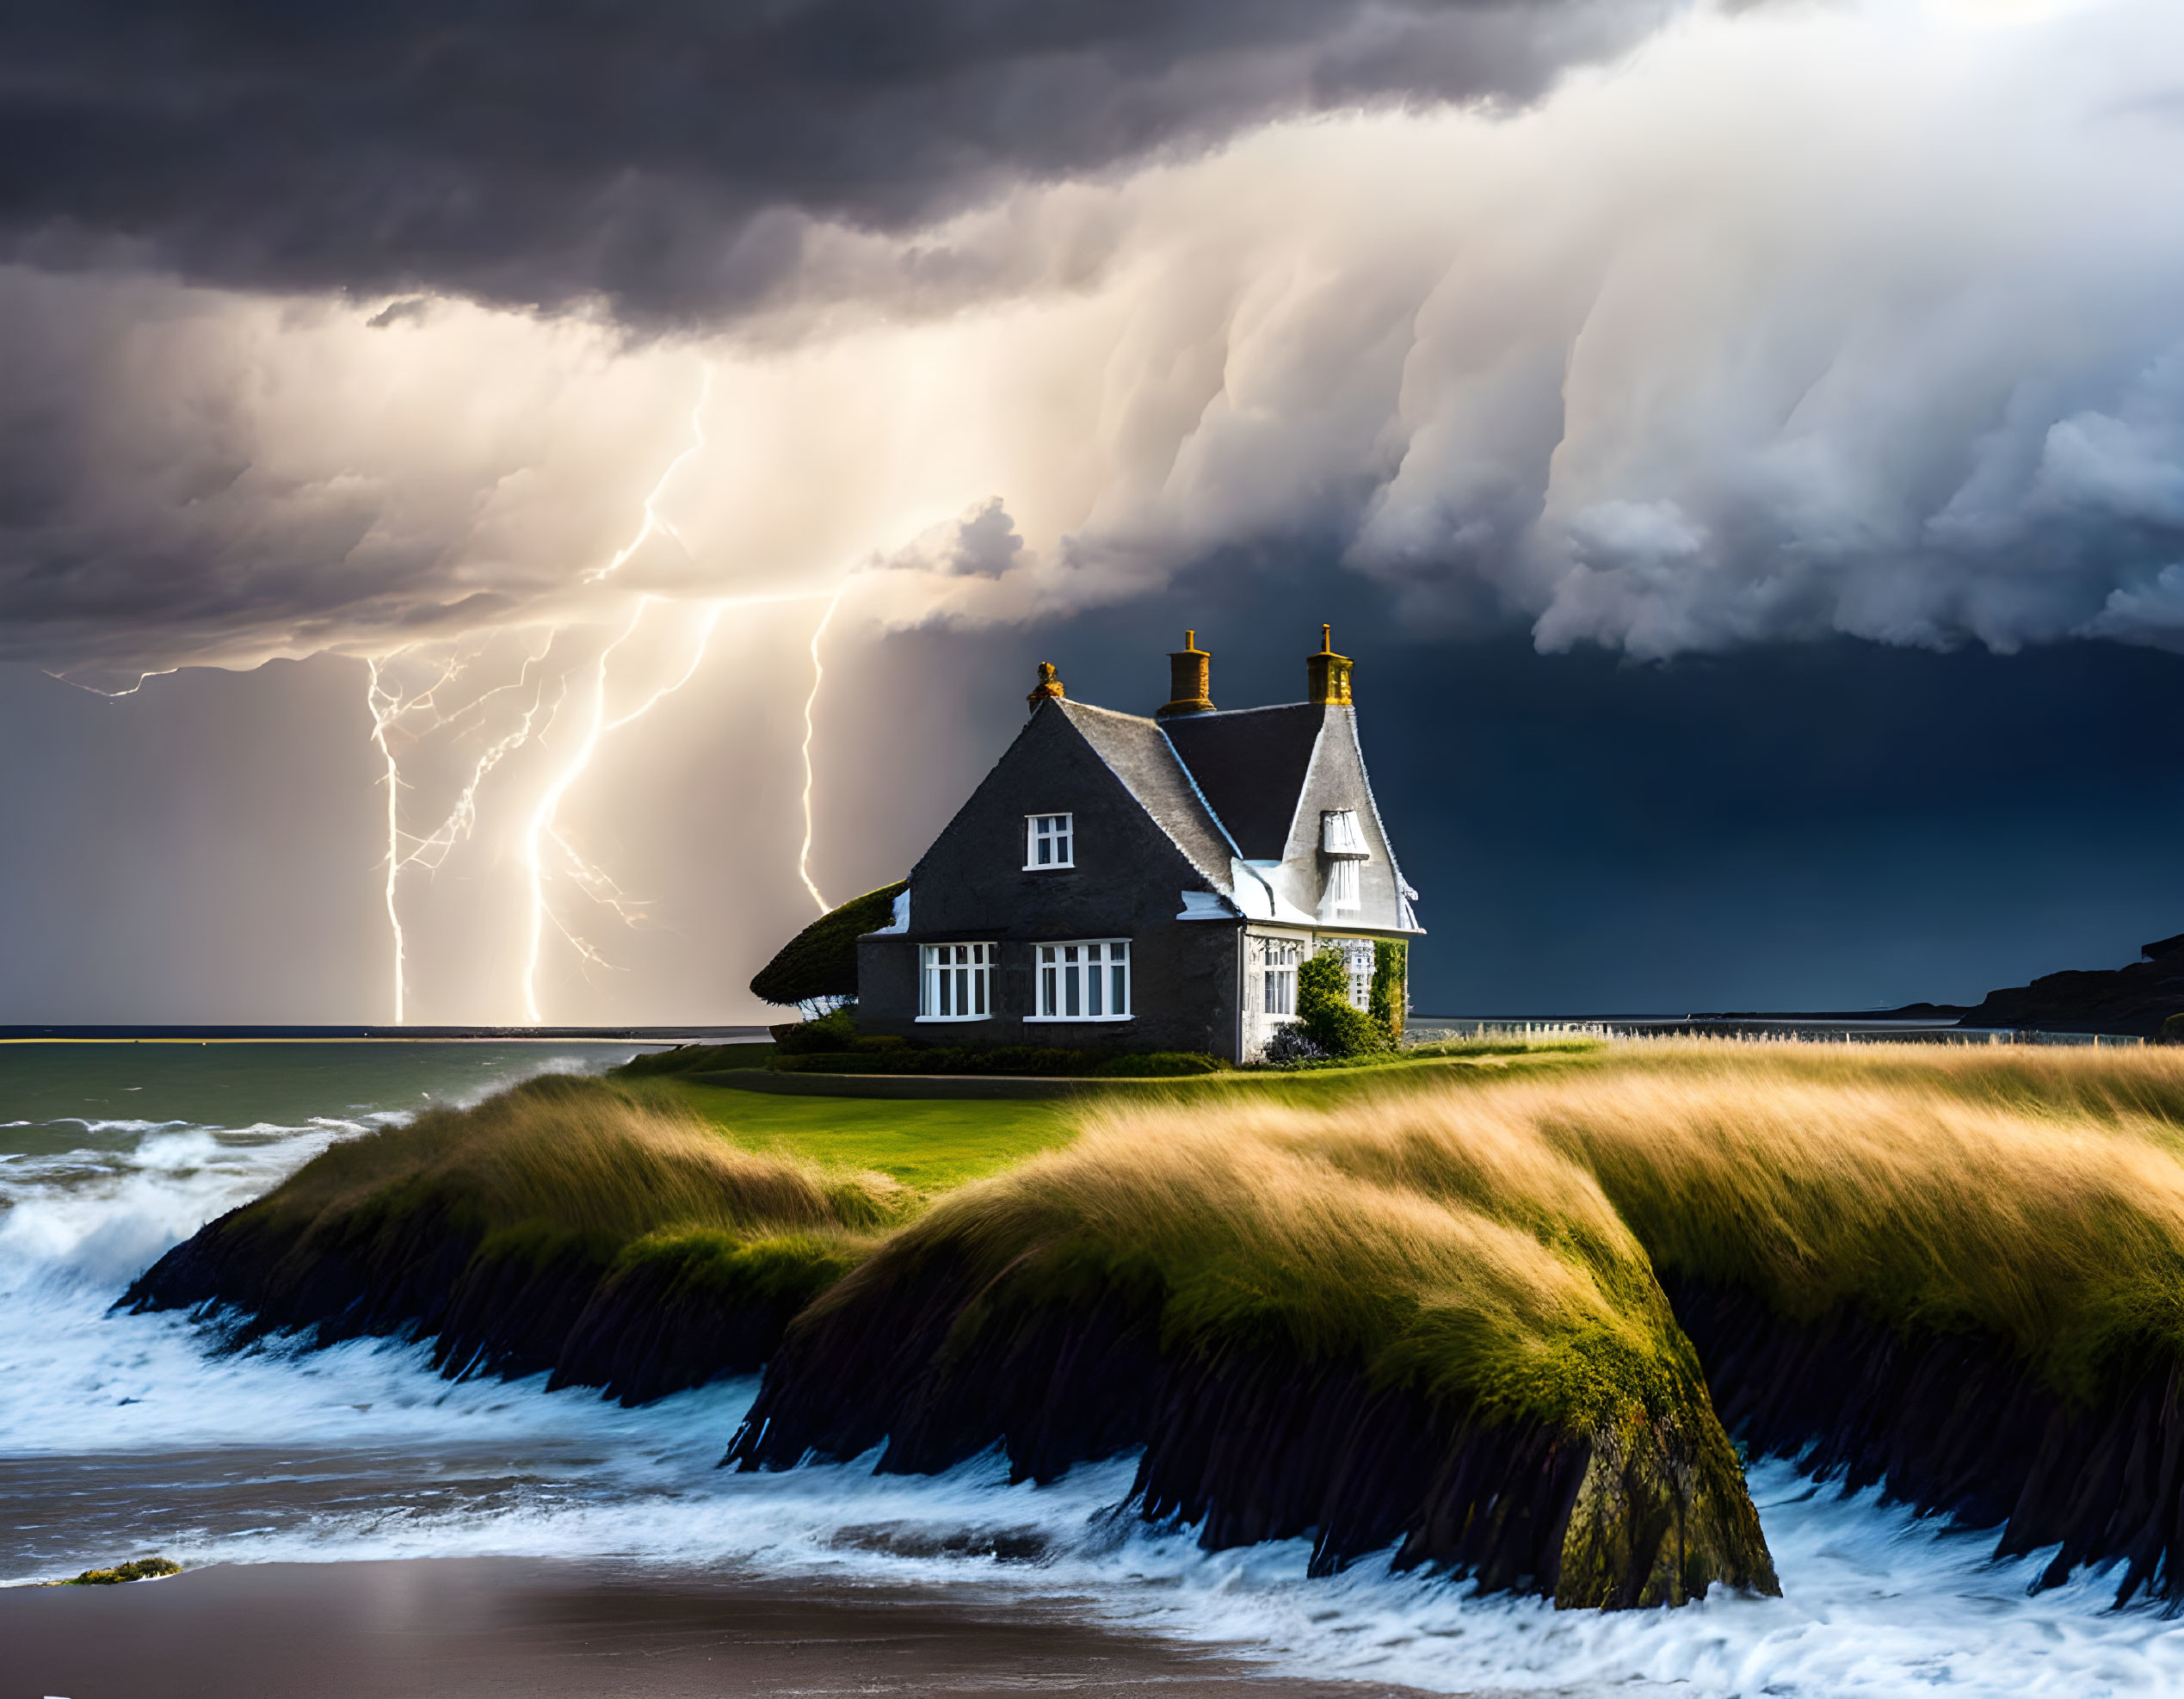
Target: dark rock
(2130,1000)
(1953,1424)
(638,1333)
(1250,1443)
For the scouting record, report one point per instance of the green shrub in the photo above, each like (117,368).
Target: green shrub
(1159,1065)
(838,1031)
(821,960)
(1391,987)
(1333,1023)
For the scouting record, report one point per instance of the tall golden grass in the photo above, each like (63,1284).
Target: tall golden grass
(1498,1273)
(573,1161)
(1498,1240)
(2034,1195)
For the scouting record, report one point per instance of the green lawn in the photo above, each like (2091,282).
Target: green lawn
(929,1144)
(933,1144)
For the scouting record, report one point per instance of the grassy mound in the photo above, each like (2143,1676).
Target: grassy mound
(1483,1306)
(533,1232)
(2035,1198)
(1958,1271)
(1368,1331)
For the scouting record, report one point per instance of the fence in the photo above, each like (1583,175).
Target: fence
(1427,1029)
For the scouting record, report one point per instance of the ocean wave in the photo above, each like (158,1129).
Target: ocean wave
(129,1423)
(1876,1601)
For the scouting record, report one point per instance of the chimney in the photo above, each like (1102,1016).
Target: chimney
(1190,677)
(1327,675)
(1049,688)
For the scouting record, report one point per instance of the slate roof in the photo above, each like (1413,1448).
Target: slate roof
(1224,786)
(1250,765)
(1135,752)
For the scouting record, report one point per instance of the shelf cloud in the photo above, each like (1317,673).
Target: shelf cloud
(1777,323)
(667,156)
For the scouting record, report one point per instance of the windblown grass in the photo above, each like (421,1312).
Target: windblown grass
(1498,1275)
(2036,1197)
(1445,1317)
(563,1167)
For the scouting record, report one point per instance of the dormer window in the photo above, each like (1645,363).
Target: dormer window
(1050,841)
(1343,845)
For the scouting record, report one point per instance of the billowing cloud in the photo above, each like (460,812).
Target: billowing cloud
(1863,321)
(544,370)
(672,157)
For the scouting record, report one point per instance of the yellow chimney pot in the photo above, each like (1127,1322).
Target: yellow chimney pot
(1327,675)
(1190,681)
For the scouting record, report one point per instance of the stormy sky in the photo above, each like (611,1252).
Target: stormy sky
(462,468)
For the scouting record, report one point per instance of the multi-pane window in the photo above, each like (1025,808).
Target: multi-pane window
(1342,887)
(1082,981)
(1050,841)
(955,981)
(1278,959)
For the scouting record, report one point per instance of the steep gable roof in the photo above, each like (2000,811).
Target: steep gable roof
(1250,765)
(1135,752)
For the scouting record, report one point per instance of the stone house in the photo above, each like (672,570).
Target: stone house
(1145,883)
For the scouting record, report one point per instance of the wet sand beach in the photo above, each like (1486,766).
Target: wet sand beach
(485,1628)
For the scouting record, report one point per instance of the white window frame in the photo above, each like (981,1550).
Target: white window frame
(1051,836)
(1083,974)
(1343,888)
(1278,960)
(955,981)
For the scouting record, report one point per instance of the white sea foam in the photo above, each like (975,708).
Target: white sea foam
(360,1451)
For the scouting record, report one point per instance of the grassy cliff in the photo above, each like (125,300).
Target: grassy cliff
(1310,1327)
(563,1224)
(1482,1308)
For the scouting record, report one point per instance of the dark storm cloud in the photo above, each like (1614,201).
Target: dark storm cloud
(1822,825)
(664,153)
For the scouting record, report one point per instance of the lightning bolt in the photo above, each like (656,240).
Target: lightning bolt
(540,826)
(143,679)
(810,708)
(384,707)
(542,829)
(654,526)
(389,706)
(546,700)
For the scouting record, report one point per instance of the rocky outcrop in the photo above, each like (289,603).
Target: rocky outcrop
(1953,1424)
(1250,1443)
(2133,999)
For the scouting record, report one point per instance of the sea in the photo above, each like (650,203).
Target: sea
(127,1434)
